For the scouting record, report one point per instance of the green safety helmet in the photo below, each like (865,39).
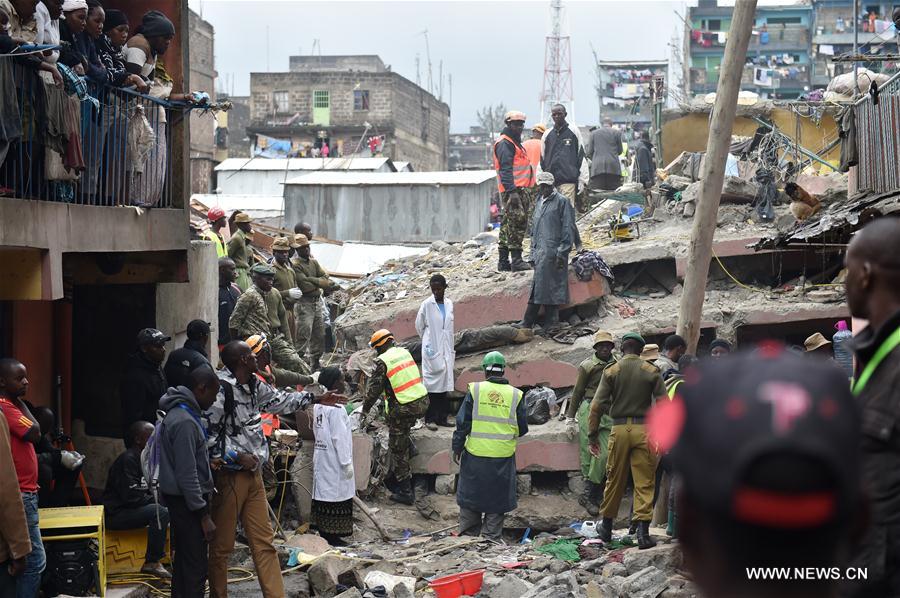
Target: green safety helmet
(494,359)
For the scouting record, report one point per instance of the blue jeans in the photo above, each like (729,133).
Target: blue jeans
(28,584)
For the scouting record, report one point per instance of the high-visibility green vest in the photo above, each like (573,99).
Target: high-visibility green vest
(673,388)
(210,235)
(494,424)
(403,375)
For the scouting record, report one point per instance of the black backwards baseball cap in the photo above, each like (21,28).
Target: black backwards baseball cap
(767,439)
(152,336)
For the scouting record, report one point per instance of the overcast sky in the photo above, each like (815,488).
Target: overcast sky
(493,50)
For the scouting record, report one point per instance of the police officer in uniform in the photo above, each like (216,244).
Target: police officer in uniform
(593,469)
(397,378)
(626,391)
(490,421)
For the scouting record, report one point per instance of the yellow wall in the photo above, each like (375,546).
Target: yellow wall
(689,133)
(20,274)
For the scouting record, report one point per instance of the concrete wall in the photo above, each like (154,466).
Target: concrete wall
(179,303)
(391,214)
(356,62)
(689,133)
(203,78)
(58,228)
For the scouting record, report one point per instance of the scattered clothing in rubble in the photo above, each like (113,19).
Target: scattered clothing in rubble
(765,196)
(586,262)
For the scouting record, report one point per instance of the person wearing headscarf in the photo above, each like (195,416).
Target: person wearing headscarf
(73,52)
(719,348)
(110,47)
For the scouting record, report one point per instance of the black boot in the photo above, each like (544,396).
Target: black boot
(531,314)
(551,317)
(586,499)
(518,264)
(604,532)
(503,264)
(404,493)
(633,528)
(645,540)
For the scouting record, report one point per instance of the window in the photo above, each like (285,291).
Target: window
(361,99)
(320,99)
(784,20)
(712,24)
(282,101)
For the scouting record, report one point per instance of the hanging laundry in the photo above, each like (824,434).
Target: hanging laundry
(826,49)
(762,77)
(764,37)
(722,37)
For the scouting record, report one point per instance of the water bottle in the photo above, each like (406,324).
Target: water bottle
(842,354)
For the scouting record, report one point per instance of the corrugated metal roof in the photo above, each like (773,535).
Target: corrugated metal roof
(255,205)
(232,164)
(455,177)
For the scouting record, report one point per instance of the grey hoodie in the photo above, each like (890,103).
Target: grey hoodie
(184,461)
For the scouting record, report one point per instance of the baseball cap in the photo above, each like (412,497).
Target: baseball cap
(152,336)
(742,427)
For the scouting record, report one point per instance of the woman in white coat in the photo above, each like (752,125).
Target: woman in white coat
(434,324)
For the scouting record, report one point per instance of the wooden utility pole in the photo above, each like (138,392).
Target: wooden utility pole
(712,176)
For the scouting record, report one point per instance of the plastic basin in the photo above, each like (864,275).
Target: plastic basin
(459,584)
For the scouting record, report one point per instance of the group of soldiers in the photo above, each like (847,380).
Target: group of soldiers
(283,300)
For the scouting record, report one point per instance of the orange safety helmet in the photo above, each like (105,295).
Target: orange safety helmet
(380,337)
(257,343)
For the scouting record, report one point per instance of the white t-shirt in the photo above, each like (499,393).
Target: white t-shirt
(47,31)
(333,451)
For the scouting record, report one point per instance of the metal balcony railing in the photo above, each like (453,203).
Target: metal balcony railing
(106,146)
(878,142)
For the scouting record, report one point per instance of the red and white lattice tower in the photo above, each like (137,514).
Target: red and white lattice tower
(557,87)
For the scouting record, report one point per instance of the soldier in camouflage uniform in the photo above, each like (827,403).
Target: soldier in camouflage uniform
(261,311)
(404,380)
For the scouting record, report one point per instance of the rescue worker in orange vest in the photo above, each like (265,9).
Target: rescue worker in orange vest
(489,423)
(217,221)
(515,180)
(397,378)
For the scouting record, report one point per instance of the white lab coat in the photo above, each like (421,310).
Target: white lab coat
(333,451)
(438,352)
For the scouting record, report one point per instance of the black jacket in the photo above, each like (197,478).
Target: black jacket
(645,167)
(562,156)
(126,487)
(228,297)
(880,440)
(140,390)
(183,361)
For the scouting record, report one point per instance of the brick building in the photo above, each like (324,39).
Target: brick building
(331,99)
(203,126)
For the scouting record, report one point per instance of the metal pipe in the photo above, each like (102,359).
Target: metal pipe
(855,46)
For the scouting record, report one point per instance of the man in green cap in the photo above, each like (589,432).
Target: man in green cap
(261,311)
(593,469)
(490,421)
(626,392)
(239,249)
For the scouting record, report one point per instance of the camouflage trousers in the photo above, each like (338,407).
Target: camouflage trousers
(310,335)
(284,355)
(515,219)
(400,419)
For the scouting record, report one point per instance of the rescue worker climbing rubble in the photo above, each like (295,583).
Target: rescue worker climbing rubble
(490,421)
(396,377)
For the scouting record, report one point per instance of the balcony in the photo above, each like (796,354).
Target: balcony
(779,38)
(794,76)
(79,177)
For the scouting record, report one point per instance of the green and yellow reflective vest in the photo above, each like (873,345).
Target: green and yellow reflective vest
(403,376)
(494,424)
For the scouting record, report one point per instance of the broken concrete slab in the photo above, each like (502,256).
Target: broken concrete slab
(502,298)
(545,448)
(662,556)
(327,572)
(646,583)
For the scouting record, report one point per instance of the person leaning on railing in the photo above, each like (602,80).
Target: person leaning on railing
(9,43)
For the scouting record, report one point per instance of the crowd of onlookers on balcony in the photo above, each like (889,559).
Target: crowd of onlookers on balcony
(62,116)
